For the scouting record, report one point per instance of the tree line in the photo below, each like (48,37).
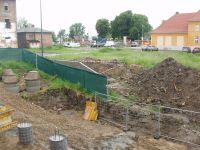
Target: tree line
(134,26)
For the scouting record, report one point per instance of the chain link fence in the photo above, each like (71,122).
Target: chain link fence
(156,120)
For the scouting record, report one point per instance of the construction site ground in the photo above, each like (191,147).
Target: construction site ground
(81,134)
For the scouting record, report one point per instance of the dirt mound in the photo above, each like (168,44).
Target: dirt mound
(114,68)
(168,83)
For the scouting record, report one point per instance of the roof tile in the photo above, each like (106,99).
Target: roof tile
(178,23)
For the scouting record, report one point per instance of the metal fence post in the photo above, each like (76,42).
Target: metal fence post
(159,119)
(158,132)
(36,61)
(126,121)
(95,97)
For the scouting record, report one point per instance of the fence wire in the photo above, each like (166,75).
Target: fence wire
(156,120)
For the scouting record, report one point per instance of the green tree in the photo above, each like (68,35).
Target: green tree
(103,28)
(23,23)
(121,25)
(140,26)
(131,25)
(54,37)
(76,29)
(61,35)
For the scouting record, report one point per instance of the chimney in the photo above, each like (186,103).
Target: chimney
(177,13)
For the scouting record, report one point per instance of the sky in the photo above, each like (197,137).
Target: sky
(61,14)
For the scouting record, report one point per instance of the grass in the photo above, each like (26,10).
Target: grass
(59,49)
(126,55)
(119,99)
(20,68)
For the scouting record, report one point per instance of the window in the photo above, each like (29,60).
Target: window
(197,28)
(30,36)
(7,38)
(5,7)
(8,24)
(196,39)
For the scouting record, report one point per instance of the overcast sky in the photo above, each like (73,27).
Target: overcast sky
(60,14)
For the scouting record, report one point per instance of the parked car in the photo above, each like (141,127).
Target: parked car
(150,48)
(134,44)
(71,44)
(186,49)
(109,44)
(196,50)
(97,44)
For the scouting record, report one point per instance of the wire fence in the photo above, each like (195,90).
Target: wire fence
(156,120)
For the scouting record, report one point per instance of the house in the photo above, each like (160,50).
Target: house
(8,24)
(182,29)
(31,38)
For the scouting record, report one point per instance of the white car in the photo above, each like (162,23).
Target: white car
(109,44)
(71,44)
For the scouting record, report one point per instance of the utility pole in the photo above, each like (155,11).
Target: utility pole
(42,48)
(142,34)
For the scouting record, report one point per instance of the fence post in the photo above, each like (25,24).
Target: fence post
(95,97)
(127,110)
(36,61)
(158,134)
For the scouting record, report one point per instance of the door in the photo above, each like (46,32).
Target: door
(160,41)
(180,41)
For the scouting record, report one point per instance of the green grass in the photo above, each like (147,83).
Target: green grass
(119,99)
(20,68)
(127,56)
(60,49)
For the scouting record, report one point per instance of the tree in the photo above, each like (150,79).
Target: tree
(121,25)
(103,28)
(61,35)
(23,23)
(54,37)
(76,29)
(131,25)
(140,26)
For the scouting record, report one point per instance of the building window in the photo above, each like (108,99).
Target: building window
(31,36)
(196,39)
(7,38)
(5,7)
(197,28)
(8,24)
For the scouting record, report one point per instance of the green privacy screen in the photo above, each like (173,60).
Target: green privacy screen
(90,81)
(10,54)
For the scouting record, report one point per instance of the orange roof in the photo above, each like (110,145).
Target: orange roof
(178,23)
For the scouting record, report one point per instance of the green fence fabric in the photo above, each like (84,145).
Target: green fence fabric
(90,81)
(10,54)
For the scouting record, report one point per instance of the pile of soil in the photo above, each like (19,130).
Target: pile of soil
(114,68)
(168,83)
(117,73)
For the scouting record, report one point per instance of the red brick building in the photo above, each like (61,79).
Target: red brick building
(31,38)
